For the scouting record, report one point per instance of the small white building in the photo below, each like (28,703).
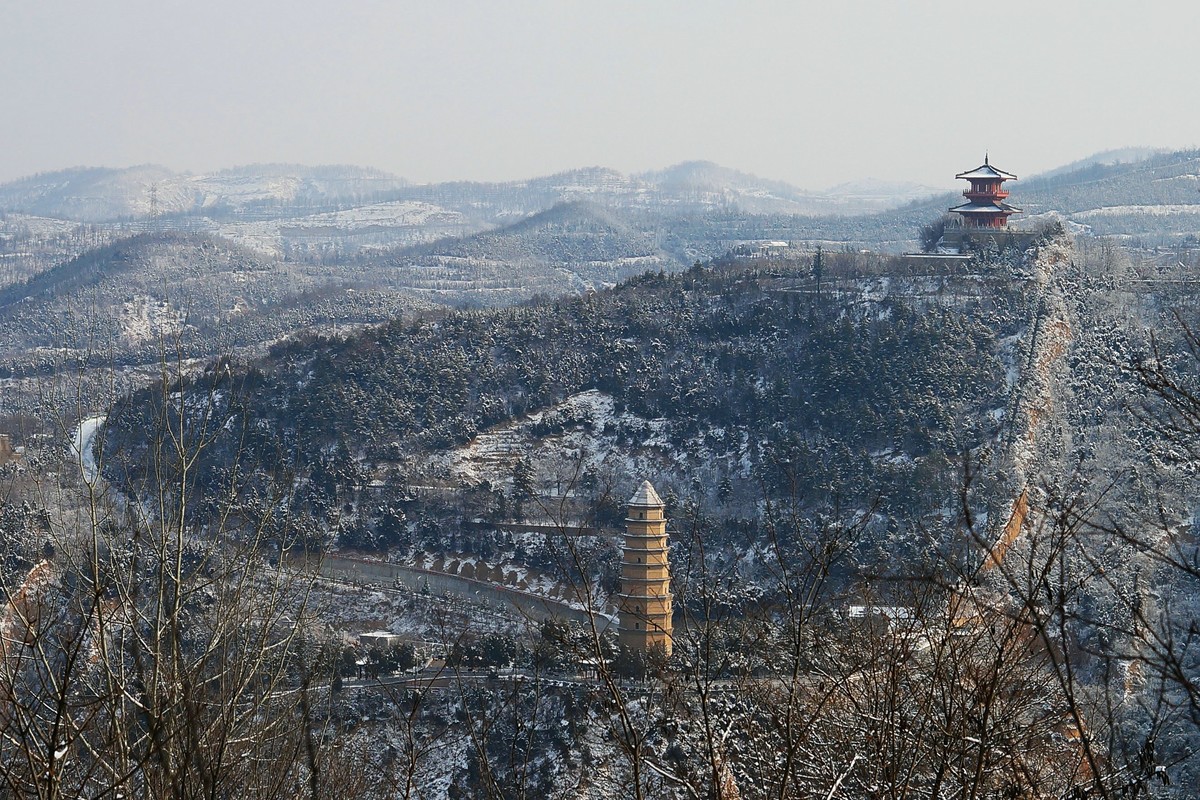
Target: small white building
(381,639)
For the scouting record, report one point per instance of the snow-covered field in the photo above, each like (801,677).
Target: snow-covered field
(1153,210)
(586,443)
(145,319)
(403,221)
(491,454)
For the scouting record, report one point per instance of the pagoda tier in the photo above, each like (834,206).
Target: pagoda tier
(644,603)
(986,207)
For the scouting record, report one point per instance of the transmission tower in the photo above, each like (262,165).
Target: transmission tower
(153,206)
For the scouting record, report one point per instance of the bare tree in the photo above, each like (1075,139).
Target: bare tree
(153,650)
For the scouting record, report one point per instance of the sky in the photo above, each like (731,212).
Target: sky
(813,93)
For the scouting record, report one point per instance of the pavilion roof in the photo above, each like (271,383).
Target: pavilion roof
(986,170)
(985,208)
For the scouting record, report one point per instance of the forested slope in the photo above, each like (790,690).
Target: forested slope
(861,391)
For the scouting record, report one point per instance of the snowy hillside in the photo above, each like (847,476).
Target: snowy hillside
(374,226)
(102,194)
(121,301)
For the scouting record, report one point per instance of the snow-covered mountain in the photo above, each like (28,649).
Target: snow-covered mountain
(873,193)
(1107,158)
(692,210)
(95,194)
(704,181)
(332,213)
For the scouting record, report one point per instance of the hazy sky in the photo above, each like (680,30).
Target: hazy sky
(807,92)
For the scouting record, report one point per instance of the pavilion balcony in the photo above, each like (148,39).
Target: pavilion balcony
(998,194)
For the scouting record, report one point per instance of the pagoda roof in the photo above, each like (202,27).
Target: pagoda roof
(985,208)
(986,170)
(646,497)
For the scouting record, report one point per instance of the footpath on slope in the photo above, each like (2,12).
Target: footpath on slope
(362,571)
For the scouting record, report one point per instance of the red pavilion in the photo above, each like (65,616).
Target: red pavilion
(986,207)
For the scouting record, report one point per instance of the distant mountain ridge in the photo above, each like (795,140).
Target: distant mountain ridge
(1121,155)
(572,246)
(691,210)
(495,243)
(289,191)
(97,194)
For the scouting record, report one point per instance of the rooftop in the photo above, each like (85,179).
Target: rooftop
(986,170)
(985,208)
(646,497)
